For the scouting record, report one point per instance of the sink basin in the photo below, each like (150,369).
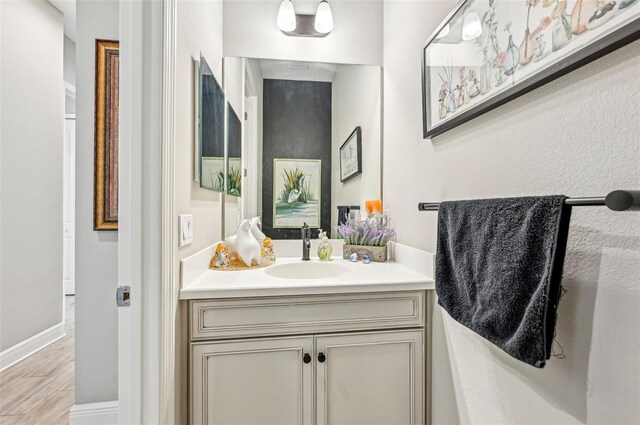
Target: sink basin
(307,270)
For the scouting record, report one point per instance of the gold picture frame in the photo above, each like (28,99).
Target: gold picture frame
(105,189)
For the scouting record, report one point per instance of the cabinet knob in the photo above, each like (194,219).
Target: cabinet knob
(306,358)
(322,357)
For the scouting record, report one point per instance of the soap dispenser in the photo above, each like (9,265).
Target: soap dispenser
(324,249)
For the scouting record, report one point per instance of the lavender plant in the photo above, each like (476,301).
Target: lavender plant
(370,232)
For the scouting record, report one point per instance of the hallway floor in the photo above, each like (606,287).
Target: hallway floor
(41,388)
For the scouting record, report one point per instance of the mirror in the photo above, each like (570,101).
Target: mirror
(311,141)
(210,129)
(233,78)
(234,152)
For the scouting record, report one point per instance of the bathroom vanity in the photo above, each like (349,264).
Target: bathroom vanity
(308,342)
(301,342)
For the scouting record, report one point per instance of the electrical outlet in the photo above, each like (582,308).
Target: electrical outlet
(185,229)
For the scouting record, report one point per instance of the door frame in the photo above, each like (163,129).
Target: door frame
(145,182)
(129,214)
(169,297)
(250,137)
(69,163)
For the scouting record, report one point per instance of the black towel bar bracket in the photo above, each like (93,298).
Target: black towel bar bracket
(618,200)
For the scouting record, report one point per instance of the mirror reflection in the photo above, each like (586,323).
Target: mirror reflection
(210,129)
(234,152)
(312,142)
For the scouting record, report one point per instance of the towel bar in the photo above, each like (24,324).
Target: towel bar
(618,200)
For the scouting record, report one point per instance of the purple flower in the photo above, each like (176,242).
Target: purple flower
(365,232)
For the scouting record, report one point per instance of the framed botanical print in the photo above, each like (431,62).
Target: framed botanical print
(488,52)
(296,192)
(105,192)
(351,156)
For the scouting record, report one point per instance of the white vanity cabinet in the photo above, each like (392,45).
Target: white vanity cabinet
(370,378)
(261,381)
(320,359)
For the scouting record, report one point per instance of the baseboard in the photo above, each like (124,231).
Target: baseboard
(104,413)
(24,349)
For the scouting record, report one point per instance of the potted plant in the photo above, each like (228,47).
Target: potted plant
(368,235)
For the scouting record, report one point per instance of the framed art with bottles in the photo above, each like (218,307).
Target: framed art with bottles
(488,52)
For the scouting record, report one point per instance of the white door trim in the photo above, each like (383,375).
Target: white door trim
(69,202)
(250,156)
(70,91)
(250,83)
(169,296)
(132,49)
(147,234)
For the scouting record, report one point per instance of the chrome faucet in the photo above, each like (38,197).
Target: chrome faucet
(306,241)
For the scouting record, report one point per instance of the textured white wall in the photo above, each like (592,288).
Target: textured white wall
(577,135)
(356,100)
(250,31)
(31,130)
(199,29)
(96,252)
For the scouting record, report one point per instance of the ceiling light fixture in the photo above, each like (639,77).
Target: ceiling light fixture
(293,24)
(286,16)
(324,18)
(471,26)
(443,32)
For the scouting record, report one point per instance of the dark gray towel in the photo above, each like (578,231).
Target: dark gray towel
(499,269)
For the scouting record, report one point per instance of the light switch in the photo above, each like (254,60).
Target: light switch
(185,229)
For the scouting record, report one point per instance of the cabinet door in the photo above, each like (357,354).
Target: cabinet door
(370,378)
(261,382)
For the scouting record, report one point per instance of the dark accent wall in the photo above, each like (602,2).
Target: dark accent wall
(212,115)
(297,125)
(234,145)
(234,133)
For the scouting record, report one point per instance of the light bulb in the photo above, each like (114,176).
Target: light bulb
(443,32)
(324,18)
(286,16)
(471,26)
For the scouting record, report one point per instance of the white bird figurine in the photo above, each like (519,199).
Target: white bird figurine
(255,229)
(231,242)
(246,244)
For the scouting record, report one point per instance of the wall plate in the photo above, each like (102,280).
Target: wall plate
(185,229)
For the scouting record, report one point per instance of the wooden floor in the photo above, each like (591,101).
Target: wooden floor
(41,388)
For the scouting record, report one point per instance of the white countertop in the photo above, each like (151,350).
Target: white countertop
(373,277)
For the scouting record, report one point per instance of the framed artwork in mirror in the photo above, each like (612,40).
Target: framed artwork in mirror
(488,52)
(210,129)
(351,156)
(234,152)
(296,192)
(105,185)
